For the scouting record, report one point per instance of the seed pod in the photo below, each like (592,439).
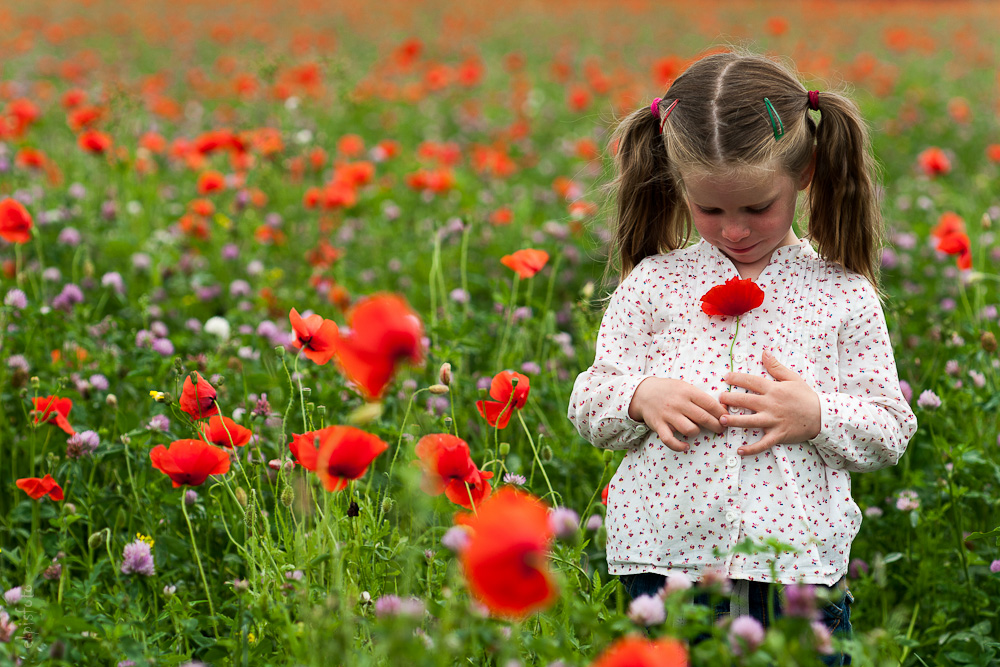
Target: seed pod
(988,341)
(547,453)
(241,496)
(438,389)
(504,448)
(287,496)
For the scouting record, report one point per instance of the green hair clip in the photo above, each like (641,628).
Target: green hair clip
(776,125)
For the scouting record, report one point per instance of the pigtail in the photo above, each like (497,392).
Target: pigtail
(647,195)
(844,216)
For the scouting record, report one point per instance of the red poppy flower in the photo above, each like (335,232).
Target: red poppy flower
(189,462)
(224,432)
(304,448)
(384,330)
(39,488)
(53,410)
(604,494)
(949,223)
(315,336)
(344,454)
(934,162)
(527,262)
(957,243)
(210,181)
(641,652)
(94,141)
(15,221)
(507,398)
(448,468)
(505,560)
(198,398)
(733,298)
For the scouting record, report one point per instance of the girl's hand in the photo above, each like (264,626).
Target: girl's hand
(786,408)
(668,405)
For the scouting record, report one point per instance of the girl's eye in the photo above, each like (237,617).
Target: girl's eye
(760,210)
(708,211)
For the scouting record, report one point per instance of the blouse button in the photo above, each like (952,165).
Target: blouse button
(733,460)
(733,409)
(732,516)
(641,429)
(739,356)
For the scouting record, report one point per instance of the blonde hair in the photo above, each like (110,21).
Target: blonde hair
(720,124)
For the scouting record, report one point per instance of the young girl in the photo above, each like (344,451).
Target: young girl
(743,427)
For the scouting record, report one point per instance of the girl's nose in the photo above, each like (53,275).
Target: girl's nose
(734,233)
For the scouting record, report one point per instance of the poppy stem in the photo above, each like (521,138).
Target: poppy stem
(468,489)
(731,344)
(534,450)
(510,319)
(197,557)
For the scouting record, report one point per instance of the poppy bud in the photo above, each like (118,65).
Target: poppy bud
(279,350)
(986,222)
(97,539)
(438,389)
(444,374)
(387,504)
(310,407)
(306,390)
(608,456)
(365,414)
(68,508)
(321,410)
(241,496)
(35,382)
(112,401)
(587,290)
(287,496)
(547,453)
(988,341)
(504,448)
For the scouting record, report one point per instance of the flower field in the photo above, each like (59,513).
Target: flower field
(294,296)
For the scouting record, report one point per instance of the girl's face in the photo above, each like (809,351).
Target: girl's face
(746,217)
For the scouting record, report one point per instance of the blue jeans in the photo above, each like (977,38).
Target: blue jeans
(836,616)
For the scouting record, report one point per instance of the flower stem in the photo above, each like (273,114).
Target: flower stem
(534,450)
(197,557)
(731,344)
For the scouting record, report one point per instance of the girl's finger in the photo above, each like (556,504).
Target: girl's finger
(761,445)
(705,419)
(760,421)
(746,381)
(667,436)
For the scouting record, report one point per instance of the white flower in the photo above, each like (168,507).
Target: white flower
(219,327)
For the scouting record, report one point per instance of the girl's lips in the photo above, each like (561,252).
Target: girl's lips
(739,251)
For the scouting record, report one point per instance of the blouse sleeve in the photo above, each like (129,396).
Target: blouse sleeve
(602,394)
(867,423)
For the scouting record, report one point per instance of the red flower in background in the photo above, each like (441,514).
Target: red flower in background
(526,263)
(189,462)
(384,331)
(448,468)
(934,162)
(53,410)
(505,560)
(344,454)
(949,237)
(39,488)
(957,244)
(224,432)
(15,221)
(641,652)
(507,398)
(315,336)
(198,398)
(210,181)
(732,298)
(94,141)
(304,448)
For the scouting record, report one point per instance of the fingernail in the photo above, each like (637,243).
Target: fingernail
(723,420)
(741,452)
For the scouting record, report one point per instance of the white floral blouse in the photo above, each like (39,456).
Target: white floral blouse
(670,511)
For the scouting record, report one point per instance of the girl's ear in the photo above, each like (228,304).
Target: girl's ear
(807,174)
